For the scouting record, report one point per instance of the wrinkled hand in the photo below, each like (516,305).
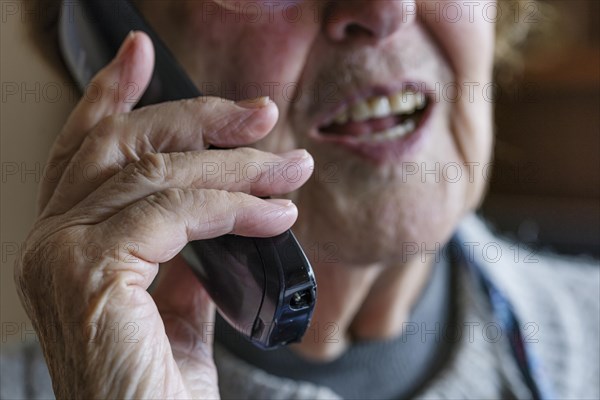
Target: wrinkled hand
(134,188)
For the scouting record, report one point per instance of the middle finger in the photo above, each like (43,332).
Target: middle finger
(245,170)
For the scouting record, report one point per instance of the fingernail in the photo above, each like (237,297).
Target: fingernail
(255,103)
(280,202)
(298,154)
(126,45)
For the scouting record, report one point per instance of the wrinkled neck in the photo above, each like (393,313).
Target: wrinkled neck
(361,303)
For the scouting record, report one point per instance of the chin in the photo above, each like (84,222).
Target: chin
(357,212)
(384,224)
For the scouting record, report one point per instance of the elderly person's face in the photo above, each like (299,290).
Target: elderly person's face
(389,176)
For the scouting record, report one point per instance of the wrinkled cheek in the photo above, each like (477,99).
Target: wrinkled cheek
(468,46)
(472,125)
(466,36)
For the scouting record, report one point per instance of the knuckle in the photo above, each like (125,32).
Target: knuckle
(208,106)
(249,153)
(210,101)
(155,167)
(109,125)
(238,200)
(167,200)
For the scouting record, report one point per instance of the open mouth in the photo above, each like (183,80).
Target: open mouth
(378,119)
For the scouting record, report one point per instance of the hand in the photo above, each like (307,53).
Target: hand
(133,190)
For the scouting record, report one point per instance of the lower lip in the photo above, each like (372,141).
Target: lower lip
(383,152)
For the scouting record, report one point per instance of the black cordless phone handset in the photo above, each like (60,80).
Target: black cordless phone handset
(264,287)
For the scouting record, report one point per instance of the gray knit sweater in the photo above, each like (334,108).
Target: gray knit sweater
(556,298)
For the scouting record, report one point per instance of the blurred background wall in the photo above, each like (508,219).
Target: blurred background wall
(32,111)
(545,186)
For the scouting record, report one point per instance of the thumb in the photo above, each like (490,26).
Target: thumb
(115,89)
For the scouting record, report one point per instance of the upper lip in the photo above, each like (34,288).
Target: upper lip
(351,98)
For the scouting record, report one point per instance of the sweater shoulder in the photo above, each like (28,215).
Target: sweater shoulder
(514,264)
(556,299)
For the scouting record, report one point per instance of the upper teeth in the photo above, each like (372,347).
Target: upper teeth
(404,102)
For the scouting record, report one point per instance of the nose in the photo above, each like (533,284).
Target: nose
(371,19)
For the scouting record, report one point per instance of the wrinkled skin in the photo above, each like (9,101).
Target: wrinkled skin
(388,48)
(97,244)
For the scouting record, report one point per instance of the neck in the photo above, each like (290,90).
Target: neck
(360,303)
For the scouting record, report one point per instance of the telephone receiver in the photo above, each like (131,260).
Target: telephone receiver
(263,287)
